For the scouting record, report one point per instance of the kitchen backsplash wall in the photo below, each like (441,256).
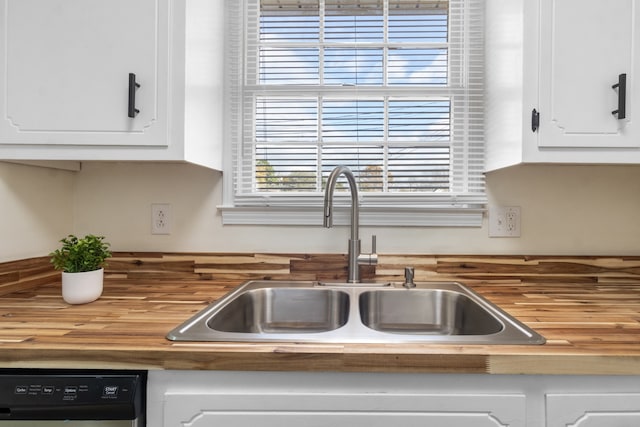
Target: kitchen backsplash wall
(36,209)
(26,274)
(569,210)
(508,269)
(566,210)
(147,267)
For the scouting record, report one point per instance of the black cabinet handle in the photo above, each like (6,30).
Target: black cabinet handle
(622,97)
(535,120)
(132,95)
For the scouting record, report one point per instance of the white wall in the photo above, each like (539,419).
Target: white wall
(575,210)
(36,210)
(566,210)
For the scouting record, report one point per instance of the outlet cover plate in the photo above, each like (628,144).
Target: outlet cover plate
(160,218)
(504,221)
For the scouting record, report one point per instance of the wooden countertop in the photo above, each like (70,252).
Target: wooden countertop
(591,327)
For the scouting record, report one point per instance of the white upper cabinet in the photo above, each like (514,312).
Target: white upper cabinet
(111,80)
(585,49)
(561,85)
(68,65)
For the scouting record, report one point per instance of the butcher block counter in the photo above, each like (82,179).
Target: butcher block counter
(588,309)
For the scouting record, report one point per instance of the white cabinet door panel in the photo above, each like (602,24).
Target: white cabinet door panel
(343,410)
(67,66)
(593,410)
(583,49)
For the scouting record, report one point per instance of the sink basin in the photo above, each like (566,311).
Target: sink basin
(426,311)
(292,311)
(283,311)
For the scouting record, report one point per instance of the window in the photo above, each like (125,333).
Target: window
(390,88)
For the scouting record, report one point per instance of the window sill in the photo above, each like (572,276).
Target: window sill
(469,216)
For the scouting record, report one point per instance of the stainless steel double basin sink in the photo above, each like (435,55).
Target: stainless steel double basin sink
(293,311)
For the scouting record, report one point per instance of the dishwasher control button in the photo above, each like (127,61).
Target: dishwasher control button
(48,389)
(21,389)
(35,389)
(110,391)
(70,389)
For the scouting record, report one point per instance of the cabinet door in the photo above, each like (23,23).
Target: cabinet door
(342,410)
(584,46)
(593,410)
(67,65)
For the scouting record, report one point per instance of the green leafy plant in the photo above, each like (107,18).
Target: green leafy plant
(78,255)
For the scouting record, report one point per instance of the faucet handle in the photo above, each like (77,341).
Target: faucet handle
(373,257)
(369,259)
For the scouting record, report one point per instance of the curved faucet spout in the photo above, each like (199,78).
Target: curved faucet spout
(328,199)
(354,255)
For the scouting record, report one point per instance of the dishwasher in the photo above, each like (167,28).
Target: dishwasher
(72,398)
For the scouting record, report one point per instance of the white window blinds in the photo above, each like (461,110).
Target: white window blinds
(390,88)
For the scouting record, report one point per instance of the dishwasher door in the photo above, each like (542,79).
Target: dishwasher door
(78,398)
(77,423)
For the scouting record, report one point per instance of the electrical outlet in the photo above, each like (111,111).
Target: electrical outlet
(160,218)
(504,221)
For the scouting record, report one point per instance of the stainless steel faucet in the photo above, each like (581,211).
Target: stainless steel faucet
(355,257)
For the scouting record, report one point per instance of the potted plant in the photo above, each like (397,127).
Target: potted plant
(82,264)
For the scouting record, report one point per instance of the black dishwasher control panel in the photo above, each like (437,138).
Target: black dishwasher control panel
(77,395)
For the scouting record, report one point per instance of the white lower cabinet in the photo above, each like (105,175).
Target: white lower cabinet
(288,399)
(593,410)
(347,409)
(257,399)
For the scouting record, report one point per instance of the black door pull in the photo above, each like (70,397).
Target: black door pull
(132,95)
(621,112)
(535,120)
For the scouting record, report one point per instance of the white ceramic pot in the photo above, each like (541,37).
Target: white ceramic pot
(81,288)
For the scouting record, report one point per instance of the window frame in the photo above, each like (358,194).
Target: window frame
(462,209)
